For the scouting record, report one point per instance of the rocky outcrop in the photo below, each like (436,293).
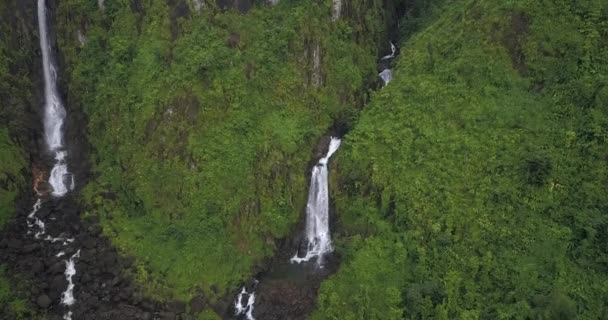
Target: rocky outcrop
(103,285)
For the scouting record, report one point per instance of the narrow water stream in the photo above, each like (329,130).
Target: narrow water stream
(60,179)
(318,237)
(299,277)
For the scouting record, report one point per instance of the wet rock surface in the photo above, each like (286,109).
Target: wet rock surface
(103,288)
(283,290)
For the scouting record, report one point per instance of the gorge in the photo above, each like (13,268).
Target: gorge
(269,160)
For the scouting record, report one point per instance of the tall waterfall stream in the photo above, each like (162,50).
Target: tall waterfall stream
(60,179)
(317,233)
(317,211)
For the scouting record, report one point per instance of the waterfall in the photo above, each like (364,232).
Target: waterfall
(386,75)
(54,117)
(336,9)
(197,4)
(244,309)
(317,210)
(67,297)
(54,112)
(393,51)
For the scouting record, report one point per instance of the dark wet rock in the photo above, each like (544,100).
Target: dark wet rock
(108,259)
(14,244)
(59,284)
(197,304)
(37,266)
(167,315)
(30,248)
(89,243)
(43,301)
(176,306)
(94,230)
(57,267)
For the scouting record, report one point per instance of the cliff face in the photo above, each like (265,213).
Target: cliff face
(18,136)
(18,115)
(471,186)
(202,124)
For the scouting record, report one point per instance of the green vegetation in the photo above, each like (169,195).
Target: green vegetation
(11,179)
(13,81)
(10,303)
(15,91)
(474,185)
(203,125)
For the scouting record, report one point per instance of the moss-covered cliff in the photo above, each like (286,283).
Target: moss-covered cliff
(202,124)
(473,185)
(17,135)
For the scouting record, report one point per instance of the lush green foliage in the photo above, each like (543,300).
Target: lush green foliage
(11,179)
(202,126)
(474,185)
(14,86)
(11,304)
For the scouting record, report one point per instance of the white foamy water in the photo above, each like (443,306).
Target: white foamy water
(59,175)
(245,309)
(393,51)
(53,120)
(336,9)
(317,210)
(35,222)
(54,112)
(197,4)
(67,316)
(67,297)
(386,75)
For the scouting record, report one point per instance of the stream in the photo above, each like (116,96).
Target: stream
(268,296)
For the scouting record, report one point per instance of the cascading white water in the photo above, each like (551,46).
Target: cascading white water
(386,75)
(54,112)
(245,311)
(67,297)
(54,116)
(317,210)
(336,9)
(393,51)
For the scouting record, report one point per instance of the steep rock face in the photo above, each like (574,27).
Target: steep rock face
(19,120)
(202,125)
(19,140)
(32,270)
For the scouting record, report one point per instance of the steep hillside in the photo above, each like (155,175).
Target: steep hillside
(203,123)
(474,185)
(16,138)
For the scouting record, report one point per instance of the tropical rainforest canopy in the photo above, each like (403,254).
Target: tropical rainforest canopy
(472,186)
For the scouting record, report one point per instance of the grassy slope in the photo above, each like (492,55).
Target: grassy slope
(473,185)
(202,137)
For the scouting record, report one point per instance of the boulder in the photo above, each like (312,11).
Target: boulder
(43,301)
